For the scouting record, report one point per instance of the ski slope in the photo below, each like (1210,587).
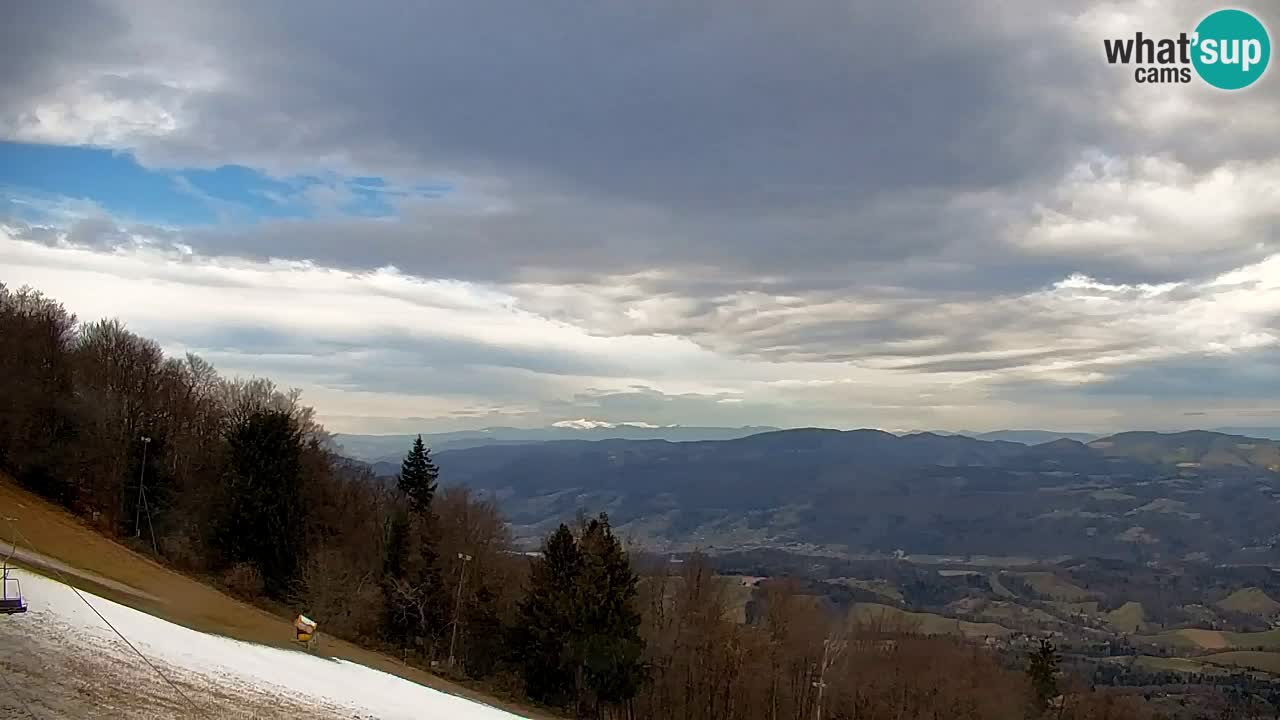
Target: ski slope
(63,661)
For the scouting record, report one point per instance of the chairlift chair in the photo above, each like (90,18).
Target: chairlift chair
(10,603)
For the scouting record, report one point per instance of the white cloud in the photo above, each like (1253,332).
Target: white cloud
(666,219)
(385,345)
(93,118)
(1156,211)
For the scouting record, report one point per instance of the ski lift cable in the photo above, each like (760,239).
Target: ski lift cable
(14,692)
(65,581)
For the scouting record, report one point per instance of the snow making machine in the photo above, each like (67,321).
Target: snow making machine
(304,632)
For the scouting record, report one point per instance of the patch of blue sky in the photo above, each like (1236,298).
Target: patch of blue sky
(116,183)
(110,180)
(236,193)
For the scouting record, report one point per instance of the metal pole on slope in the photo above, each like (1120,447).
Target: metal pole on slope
(142,475)
(457,607)
(155,548)
(833,647)
(822,679)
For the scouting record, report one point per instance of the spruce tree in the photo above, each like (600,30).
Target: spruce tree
(577,639)
(412,584)
(261,519)
(1042,671)
(418,477)
(547,627)
(610,648)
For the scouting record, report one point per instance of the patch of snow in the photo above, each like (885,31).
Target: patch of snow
(226,669)
(585,424)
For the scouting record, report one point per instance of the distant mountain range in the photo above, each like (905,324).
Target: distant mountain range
(1026,437)
(1136,495)
(1267,433)
(391,448)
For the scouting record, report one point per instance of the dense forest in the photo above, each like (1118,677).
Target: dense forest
(234,481)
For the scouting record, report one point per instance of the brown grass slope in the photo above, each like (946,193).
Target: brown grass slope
(923,623)
(1252,601)
(178,598)
(1197,638)
(1053,586)
(1128,618)
(1268,662)
(1198,447)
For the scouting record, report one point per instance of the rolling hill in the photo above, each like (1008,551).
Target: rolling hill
(1250,601)
(1030,437)
(390,448)
(1193,449)
(1128,495)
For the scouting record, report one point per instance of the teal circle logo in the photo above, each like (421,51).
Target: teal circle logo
(1232,49)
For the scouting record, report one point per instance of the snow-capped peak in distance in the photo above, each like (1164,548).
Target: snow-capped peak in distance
(584,424)
(391,448)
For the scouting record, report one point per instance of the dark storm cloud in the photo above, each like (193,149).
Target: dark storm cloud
(564,239)
(389,361)
(44,44)
(723,105)
(818,143)
(811,139)
(393,374)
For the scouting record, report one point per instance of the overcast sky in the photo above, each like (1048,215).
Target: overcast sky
(443,215)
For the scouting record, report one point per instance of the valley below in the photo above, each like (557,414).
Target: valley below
(1195,497)
(1152,560)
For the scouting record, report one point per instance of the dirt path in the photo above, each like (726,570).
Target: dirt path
(36,561)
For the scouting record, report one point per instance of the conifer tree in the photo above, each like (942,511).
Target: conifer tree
(609,649)
(577,639)
(261,518)
(412,583)
(1042,671)
(413,590)
(544,635)
(418,477)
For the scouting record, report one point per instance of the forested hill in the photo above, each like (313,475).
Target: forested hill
(1127,495)
(390,448)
